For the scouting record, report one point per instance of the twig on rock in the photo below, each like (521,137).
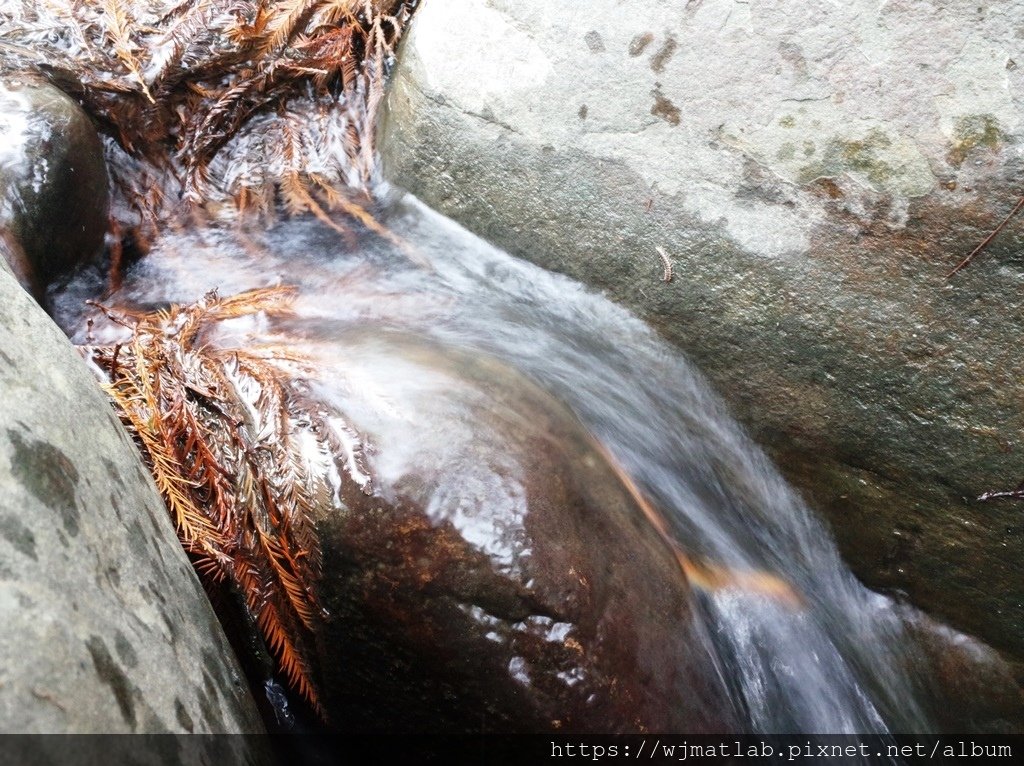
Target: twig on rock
(989,238)
(667,276)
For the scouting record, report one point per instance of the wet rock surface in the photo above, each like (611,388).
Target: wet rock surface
(967,686)
(104,627)
(53,181)
(812,173)
(501,579)
(497,579)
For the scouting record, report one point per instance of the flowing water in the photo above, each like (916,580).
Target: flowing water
(838,665)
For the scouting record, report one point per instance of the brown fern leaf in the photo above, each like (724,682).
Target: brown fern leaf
(193,19)
(333,12)
(273,301)
(243,456)
(119,33)
(189,519)
(338,200)
(193,92)
(330,53)
(250,24)
(284,23)
(295,190)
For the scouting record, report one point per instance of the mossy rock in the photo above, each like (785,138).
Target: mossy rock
(813,182)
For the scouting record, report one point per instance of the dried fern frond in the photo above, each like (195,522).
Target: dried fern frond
(200,94)
(118,25)
(242,454)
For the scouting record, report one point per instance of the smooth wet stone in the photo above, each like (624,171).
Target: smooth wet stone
(53,181)
(500,579)
(966,685)
(104,626)
(812,170)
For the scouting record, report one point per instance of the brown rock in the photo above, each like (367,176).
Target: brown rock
(502,578)
(53,181)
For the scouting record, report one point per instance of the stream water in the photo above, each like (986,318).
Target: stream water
(838,665)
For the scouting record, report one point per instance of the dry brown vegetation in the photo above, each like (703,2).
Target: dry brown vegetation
(216,106)
(207,102)
(242,454)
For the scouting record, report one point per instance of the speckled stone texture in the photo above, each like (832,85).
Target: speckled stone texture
(104,626)
(813,170)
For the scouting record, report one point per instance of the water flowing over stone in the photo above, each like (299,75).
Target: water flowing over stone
(497,543)
(812,171)
(503,577)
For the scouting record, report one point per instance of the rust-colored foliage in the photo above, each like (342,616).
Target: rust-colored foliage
(207,102)
(242,454)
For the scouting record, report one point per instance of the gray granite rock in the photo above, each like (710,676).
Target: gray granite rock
(53,181)
(104,626)
(813,171)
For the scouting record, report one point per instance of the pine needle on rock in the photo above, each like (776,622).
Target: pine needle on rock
(243,455)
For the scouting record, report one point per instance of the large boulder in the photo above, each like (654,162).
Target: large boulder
(500,578)
(53,181)
(103,621)
(812,171)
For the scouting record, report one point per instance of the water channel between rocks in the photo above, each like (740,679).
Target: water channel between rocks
(843,662)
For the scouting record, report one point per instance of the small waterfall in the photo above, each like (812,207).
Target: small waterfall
(838,665)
